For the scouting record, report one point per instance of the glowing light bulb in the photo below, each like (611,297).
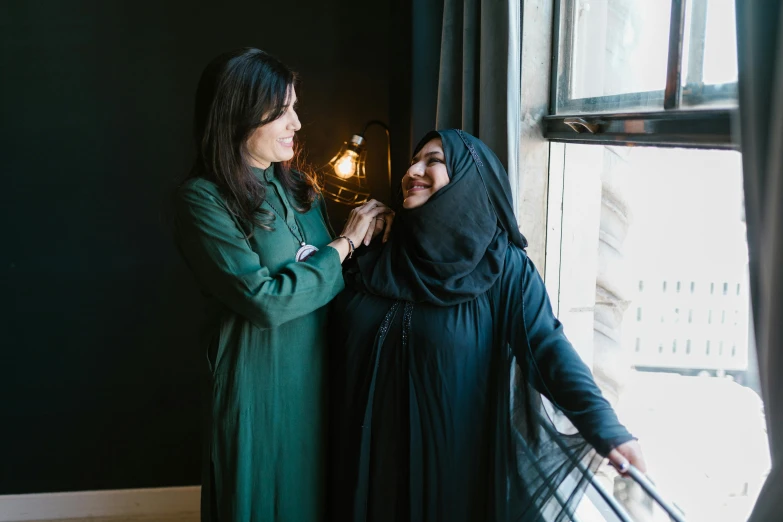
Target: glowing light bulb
(345,166)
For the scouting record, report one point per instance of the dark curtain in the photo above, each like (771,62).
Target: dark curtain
(464,72)
(760,53)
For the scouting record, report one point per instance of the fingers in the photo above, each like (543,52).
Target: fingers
(617,460)
(370,232)
(367,207)
(628,453)
(358,230)
(369,220)
(377,211)
(382,216)
(638,461)
(633,452)
(378,225)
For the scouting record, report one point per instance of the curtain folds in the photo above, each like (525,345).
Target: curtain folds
(466,72)
(760,53)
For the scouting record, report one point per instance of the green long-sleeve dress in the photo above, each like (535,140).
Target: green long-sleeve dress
(266,348)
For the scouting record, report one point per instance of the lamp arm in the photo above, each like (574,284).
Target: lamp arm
(388,146)
(374,122)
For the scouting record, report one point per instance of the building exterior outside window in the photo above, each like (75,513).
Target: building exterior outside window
(646,253)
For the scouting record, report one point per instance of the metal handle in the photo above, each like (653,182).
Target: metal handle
(580,124)
(641,479)
(633,472)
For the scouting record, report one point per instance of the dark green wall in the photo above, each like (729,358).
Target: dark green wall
(100,372)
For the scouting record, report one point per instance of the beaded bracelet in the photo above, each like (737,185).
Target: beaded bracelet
(350,244)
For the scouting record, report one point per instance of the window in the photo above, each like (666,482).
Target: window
(646,253)
(657,73)
(616,54)
(679,372)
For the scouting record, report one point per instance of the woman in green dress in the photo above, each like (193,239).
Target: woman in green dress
(443,344)
(255,234)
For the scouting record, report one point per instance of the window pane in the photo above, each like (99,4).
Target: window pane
(613,54)
(616,47)
(660,309)
(710,54)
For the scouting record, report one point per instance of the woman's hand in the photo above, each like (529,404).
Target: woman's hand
(382,223)
(362,222)
(628,453)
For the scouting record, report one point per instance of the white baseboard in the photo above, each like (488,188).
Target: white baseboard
(111,503)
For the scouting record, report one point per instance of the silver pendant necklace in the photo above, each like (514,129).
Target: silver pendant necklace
(305,250)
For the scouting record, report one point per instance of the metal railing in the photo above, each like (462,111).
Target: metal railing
(637,476)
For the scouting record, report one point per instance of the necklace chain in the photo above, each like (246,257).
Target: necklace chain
(301,239)
(305,250)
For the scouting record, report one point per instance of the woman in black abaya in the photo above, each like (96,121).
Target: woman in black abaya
(442,345)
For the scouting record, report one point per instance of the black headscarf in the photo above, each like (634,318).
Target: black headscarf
(451,249)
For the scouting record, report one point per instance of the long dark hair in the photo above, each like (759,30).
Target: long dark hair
(240,91)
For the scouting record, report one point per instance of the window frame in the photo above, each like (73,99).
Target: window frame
(541,181)
(544,135)
(674,126)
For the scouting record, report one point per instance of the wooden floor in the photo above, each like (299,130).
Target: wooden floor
(194,517)
(171,504)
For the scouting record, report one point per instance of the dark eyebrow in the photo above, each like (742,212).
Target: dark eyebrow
(431,153)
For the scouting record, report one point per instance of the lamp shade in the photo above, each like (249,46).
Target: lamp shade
(344,179)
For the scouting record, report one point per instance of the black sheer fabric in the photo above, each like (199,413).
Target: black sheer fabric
(442,344)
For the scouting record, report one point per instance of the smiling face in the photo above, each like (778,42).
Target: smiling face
(426,175)
(274,142)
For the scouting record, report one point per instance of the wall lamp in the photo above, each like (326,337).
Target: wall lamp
(344,179)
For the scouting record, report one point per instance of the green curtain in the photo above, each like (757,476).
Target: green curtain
(760,53)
